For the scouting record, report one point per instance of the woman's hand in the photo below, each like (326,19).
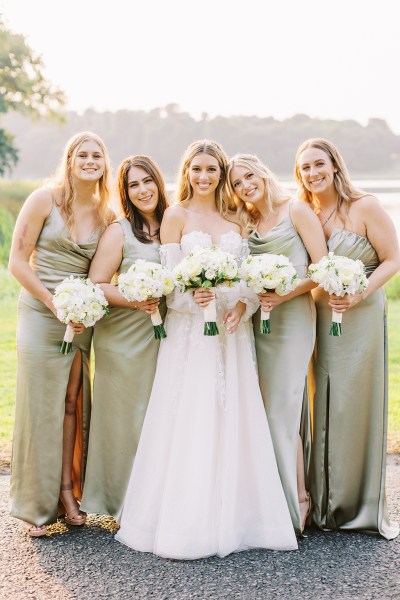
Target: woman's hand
(148,306)
(342,303)
(77,327)
(269,300)
(232,317)
(203,296)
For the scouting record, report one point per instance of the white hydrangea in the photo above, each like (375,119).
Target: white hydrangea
(339,275)
(206,267)
(79,300)
(144,280)
(266,272)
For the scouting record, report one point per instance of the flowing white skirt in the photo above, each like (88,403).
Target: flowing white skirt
(205,479)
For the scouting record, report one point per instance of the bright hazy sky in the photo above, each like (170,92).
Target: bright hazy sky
(336,59)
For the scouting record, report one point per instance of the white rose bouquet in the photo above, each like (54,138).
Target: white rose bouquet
(269,273)
(79,300)
(206,268)
(338,275)
(146,280)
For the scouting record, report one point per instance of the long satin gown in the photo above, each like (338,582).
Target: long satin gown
(283,358)
(205,479)
(42,380)
(125,360)
(350,404)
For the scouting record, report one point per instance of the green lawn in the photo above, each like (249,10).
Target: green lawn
(8,364)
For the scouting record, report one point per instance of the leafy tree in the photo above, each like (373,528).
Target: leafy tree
(23,88)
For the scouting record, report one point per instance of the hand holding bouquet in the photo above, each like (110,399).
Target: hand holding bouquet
(146,280)
(80,301)
(338,275)
(266,273)
(206,268)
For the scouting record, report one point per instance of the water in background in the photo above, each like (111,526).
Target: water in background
(388,192)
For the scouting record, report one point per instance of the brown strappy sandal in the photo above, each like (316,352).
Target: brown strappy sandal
(32,529)
(71,516)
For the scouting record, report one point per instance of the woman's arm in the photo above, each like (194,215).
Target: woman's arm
(381,232)
(29,224)
(172,225)
(106,263)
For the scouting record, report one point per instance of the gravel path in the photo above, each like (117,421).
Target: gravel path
(87,564)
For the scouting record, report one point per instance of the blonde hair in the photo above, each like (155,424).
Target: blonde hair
(346,191)
(185,190)
(63,179)
(275,194)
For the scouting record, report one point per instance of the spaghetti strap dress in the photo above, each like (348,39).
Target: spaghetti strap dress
(42,379)
(125,360)
(350,402)
(283,358)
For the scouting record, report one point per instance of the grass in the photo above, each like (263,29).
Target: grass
(8,363)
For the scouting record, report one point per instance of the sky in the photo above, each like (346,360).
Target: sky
(336,59)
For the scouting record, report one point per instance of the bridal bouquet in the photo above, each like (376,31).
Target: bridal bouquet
(338,275)
(79,300)
(206,268)
(146,280)
(269,273)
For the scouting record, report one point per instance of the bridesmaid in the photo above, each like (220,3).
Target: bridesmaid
(280,225)
(124,344)
(55,236)
(350,395)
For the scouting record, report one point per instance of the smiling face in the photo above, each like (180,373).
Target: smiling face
(316,170)
(142,190)
(247,186)
(89,163)
(204,174)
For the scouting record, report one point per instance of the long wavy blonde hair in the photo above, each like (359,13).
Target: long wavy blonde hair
(275,194)
(63,179)
(185,190)
(346,191)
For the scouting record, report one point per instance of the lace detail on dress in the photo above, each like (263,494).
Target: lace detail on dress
(171,255)
(231,241)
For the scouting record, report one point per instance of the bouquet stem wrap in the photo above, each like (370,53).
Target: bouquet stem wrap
(265,326)
(336,327)
(66,344)
(210,318)
(159,331)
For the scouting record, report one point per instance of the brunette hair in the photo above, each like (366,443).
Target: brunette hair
(134,216)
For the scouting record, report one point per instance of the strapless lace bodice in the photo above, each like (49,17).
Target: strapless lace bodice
(230,241)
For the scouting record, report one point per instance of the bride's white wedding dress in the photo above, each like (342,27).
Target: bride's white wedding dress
(205,479)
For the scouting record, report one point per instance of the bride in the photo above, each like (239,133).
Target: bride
(205,479)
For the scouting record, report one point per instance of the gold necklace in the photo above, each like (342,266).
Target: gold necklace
(326,217)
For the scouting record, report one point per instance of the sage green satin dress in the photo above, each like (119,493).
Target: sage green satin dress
(42,380)
(350,404)
(125,360)
(283,358)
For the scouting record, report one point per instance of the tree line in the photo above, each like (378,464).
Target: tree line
(371,151)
